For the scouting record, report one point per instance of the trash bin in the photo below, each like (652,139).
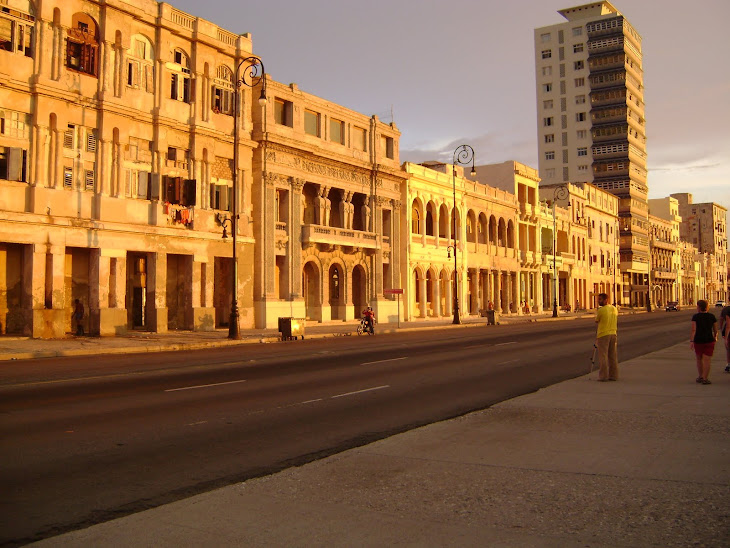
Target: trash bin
(491,317)
(291,328)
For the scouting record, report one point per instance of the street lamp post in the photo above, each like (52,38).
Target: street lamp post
(462,156)
(560,193)
(615,233)
(250,78)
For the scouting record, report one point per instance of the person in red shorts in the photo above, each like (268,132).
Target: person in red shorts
(702,340)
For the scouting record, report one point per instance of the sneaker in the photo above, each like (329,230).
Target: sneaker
(706,381)
(698,380)
(727,368)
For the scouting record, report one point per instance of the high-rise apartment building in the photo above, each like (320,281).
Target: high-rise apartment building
(590,104)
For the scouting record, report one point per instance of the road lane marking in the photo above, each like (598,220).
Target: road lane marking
(383,361)
(360,391)
(475,346)
(197,423)
(502,344)
(203,386)
(310,401)
(508,361)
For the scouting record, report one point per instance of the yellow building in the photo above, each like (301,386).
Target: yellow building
(327,213)
(117,152)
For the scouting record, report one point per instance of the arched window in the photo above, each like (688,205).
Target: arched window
(180,89)
(222,93)
(415,219)
(140,64)
(82,46)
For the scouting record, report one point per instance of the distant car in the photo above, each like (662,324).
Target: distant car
(720,304)
(672,305)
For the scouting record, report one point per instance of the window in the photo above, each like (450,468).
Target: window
(550,173)
(68,177)
(577,31)
(337,131)
(582,168)
(177,157)
(91,141)
(547,104)
(545,37)
(16,31)
(12,164)
(547,71)
(580,82)
(577,48)
(82,45)
(550,155)
(583,151)
(547,87)
(283,112)
(180,78)
(221,197)
(581,134)
(547,122)
(68,136)
(140,65)
(578,65)
(179,191)
(223,92)
(89,179)
(359,139)
(311,123)
(14,124)
(386,144)
(550,138)
(547,53)
(580,99)
(580,116)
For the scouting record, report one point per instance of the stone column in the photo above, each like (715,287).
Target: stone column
(449,298)
(437,312)
(98,288)
(202,287)
(294,252)
(498,292)
(156,305)
(44,292)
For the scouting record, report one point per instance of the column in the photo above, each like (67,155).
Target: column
(157,292)
(498,295)
(449,298)
(514,277)
(424,297)
(203,310)
(294,252)
(437,312)
(43,291)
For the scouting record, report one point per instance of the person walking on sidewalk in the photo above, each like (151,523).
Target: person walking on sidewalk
(702,340)
(725,332)
(606,341)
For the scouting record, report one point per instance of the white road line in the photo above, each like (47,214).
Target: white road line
(509,361)
(360,391)
(197,423)
(203,386)
(310,401)
(383,361)
(475,346)
(502,344)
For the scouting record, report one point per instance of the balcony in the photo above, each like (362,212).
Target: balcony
(330,235)
(663,275)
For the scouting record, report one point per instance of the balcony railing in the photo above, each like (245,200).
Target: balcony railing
(338,236)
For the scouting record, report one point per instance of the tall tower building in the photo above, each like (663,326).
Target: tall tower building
(591,127)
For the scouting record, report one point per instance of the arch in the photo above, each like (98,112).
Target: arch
(180,57)
(430,304)
(443,221)
(471,227)
(416,217)
(444,289)
(417,296)
(430,216)
(311,290)
(222,92)
(140,63)
(482,229)
(359,289)
(336,290)
(492,230)
(510,234)
(501,233)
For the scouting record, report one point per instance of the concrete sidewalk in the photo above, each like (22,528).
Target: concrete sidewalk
(640,462)
(23,348)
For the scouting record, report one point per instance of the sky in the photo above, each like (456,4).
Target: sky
(463,71)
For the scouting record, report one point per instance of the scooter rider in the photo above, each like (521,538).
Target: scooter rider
(369,316)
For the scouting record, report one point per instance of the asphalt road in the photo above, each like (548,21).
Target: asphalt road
(86,440)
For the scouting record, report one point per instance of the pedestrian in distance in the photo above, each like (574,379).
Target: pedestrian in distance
(606,339)
(725,332)
(78,317)
(702,340)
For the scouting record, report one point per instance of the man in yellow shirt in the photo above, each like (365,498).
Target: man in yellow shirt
(606,318)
